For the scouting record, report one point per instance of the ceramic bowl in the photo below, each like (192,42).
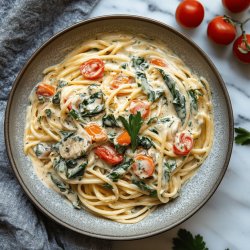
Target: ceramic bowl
(194,193)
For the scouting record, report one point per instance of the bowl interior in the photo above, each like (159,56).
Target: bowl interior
(193,194)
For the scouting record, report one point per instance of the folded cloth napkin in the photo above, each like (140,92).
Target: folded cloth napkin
(24,26)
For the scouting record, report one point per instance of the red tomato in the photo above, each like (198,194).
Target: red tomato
(221,31)
(140,106)
(158,62)
(144,166)
(108,154)
(120,79)
(241,51)
(92,69)
(236,6)
(189,13)
(183,144)
(45,90)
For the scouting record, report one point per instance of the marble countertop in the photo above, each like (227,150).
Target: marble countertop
(224,221)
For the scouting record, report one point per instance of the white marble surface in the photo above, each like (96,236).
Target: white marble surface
(225,219)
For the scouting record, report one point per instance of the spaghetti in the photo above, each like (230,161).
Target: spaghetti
(118,126)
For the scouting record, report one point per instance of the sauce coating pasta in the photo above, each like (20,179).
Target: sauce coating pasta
(119,126)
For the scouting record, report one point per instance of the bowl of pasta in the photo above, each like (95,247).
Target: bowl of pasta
(119,127)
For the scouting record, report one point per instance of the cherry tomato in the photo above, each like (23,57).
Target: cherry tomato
(189,13)
(183,144)
(241,51)
(108,154)
(221,31)
(92,69)
(120,79)
(144,166)
(236,6)
(158,62)
(140,106)
(45,90)
(123,139)
(96,132)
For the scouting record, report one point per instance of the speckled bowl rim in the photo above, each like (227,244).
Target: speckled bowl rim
(131,17)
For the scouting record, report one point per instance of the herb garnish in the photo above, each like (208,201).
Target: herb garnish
(133,127)
(242,137)
(186,241)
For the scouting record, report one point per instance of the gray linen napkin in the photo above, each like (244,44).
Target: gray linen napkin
(24,26)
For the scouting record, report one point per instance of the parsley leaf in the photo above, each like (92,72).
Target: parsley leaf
(242,137)
(186,241)
(133,127)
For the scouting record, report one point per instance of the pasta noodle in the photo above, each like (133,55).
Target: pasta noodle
(119,126)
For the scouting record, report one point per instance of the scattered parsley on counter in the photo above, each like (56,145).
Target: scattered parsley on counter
(242,137)
(186,241)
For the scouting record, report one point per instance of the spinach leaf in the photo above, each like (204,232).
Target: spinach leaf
(60,165)
(139,63)
(152,94)
(179,100)
(88,110)
(193,93)
(48,112)
(124,65)
(145,142)
(120,149)
(144,187)
(56,98)
(76,171)
(89,113)
(63,187)
(75,115)
(120,170)
(62,83)
(40,149)
(168,167)
(109,121)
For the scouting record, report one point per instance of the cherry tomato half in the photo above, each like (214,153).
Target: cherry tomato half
(140,106)
(108,154)
(221,31)
(158,62)
(183,144)
(189,13)
(96,132)
(144,166)
(92,69)
(236,6)
(241,51)
(45,90)
(120,79)
(123,139)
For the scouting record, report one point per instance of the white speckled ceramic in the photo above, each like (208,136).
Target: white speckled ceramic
(193,194)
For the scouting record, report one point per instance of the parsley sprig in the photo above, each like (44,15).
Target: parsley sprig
(186,241)
(133,126)
(242,137)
